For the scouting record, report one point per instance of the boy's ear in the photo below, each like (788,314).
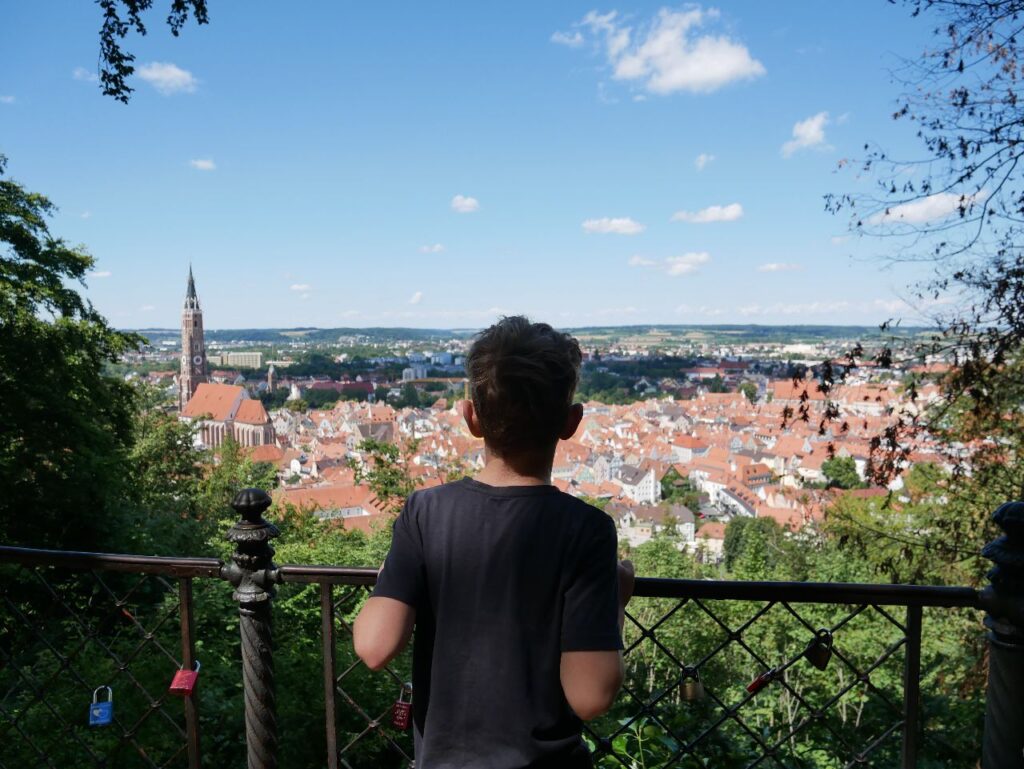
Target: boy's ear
(469,414)
(572,421)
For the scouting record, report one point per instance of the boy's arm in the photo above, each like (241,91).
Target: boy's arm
(385,623)
(382,629)
(591,678)
(591,681)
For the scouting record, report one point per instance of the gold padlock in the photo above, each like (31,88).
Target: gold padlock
(690,687)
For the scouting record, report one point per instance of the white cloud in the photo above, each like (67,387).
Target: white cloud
(81,73)
(640,261)
(668,54)
(807,133)
(778,267)
(203,164)
(574,40)
(838,240)
(168,78)
(729,213)
(6,100)
(415,299)
(304,297)
(891,305)
(618,226)
(937,206)
(85,215)
(100,274)
(702,160)
(686,263)
(148,307)
(703,310)
(301,287)
(604,312)
(807,308)
(464,204)
(437,248)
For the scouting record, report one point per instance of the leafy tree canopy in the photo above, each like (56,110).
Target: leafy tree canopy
(960,207)
(123,16)
(67,426)
(841,472)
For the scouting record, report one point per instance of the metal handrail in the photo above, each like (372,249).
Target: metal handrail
(136,564)
(646,587)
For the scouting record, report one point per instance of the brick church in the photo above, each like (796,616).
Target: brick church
(223,411)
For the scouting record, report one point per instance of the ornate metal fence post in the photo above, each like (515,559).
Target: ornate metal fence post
(253,574)
(1004,605)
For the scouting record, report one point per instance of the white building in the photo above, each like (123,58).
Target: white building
(639,485)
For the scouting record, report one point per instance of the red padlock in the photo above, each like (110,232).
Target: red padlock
(184,681)
(401,711)
(761,681)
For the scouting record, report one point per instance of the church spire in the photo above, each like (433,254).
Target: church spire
(193,346)
(191,298)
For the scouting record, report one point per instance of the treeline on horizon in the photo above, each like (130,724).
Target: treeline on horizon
(737,334)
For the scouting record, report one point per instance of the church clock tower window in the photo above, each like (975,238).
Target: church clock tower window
(193,347)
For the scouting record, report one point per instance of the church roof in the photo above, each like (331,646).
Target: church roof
(251,412)
(218,400)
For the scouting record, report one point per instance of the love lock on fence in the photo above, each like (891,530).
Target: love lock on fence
(184,681)
(690,687)
(819,650)
(101,713)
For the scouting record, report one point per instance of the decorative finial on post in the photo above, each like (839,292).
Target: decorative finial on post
(253,574)
(1003,601)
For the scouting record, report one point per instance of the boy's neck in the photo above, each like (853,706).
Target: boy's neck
(501,472)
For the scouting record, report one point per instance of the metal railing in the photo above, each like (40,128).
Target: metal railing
(720,672)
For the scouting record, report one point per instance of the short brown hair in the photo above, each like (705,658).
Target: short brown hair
(522,377)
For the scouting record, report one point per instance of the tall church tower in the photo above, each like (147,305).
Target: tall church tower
(193,348)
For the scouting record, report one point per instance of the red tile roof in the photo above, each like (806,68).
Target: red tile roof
(333,498)
(216,400)
(267,453)
(251,412)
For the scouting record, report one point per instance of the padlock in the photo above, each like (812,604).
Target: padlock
(819,650)
(184,681)
(401,711)
(761,681)
(101,713)
(691,688)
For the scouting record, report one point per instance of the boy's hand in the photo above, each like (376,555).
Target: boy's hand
(626,583)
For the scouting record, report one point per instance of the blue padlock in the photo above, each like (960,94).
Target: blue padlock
(101,713)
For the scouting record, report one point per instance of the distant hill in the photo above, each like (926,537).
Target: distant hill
(309,334)
(640,334)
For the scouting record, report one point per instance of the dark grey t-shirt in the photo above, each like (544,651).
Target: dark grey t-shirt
(503,580)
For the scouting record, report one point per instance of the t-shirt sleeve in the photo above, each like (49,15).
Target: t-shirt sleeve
(590,615)
(404,574)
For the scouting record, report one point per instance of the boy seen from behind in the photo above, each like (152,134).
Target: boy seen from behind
(512,585)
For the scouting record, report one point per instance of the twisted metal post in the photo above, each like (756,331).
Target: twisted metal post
(253,574)
(1003,600)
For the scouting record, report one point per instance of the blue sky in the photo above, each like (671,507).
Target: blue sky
(435,165)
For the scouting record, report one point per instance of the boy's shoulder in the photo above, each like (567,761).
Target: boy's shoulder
(456,492)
